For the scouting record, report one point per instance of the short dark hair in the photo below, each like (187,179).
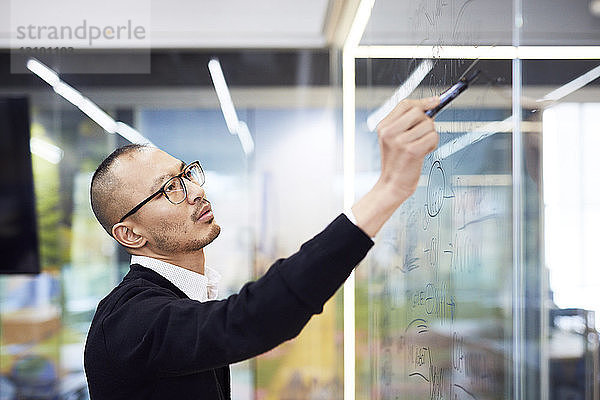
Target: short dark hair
(103,188)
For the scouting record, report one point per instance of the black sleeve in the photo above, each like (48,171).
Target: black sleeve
(152,331)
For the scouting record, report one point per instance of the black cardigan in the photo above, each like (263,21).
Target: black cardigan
(148,340)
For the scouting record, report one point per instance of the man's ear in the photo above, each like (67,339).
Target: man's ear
(127,237)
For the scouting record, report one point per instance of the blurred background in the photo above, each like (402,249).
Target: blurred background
(500,232)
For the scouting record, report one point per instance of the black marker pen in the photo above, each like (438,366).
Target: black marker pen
(453,93)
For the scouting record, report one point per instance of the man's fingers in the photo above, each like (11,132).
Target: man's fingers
(406,105)
(429,103)
(425,144)
(423,104)
(406,121)
(421,129)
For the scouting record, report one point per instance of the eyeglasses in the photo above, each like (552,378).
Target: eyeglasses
(174,189)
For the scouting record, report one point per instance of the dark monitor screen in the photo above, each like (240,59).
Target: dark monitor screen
(18,228)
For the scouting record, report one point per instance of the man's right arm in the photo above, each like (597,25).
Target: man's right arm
(406,136)
(151,331)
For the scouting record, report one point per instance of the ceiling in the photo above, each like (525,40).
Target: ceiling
(188,23)
(239,23)
(293,24)
(482,22)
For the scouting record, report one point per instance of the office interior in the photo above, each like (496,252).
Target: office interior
(483,285)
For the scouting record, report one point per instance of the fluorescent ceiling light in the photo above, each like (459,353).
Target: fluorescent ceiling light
(465,52)
(559,52)
(71,95)
(595,8)
(400,94)
(131,134)
(472,137)
(359,24)
(245,138)
(216,73)
(572,86)
(47,151)
(98,115)
(234,125)
(483,52)
(88,107)
(43,71)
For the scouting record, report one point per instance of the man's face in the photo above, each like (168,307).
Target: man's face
(169,228)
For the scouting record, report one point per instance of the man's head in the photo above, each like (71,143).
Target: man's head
(129,176)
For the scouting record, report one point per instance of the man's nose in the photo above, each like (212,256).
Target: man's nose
(195,192)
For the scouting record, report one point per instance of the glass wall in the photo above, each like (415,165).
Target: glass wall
(460,297)
(433,302)
(563,89)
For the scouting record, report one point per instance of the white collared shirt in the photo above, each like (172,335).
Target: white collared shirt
(196,286)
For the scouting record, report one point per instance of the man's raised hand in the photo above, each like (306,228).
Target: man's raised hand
(406,136)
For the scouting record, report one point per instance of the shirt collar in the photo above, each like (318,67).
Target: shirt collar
(196,286)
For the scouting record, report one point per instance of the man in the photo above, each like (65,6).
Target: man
(159,334)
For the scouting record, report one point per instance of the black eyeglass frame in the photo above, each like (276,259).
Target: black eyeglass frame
(179,176)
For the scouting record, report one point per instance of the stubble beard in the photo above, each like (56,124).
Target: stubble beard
(166,244)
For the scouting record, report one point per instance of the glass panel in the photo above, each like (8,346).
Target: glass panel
(544,314)
(296,171)
(560,23)
(434,301)
(440,23)
(560,98)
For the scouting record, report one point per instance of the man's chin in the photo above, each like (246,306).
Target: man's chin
(211,236)
(216,231)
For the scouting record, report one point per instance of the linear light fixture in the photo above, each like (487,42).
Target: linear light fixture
(45,73)
(131,134)
(472,137)
(216,73)
(401,93)
(359,24)
(234,125)
(245,137)
(86,106)
(98,115)
(68,93)
(595,8)
(482,52)
(572,86)
(46,150)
